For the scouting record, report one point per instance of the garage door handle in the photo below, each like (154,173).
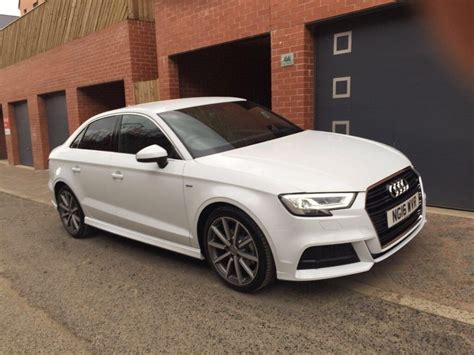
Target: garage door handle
(117,176)
(76,169)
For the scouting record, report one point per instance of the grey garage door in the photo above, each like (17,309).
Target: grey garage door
(22,123)
(56,112)
(379,76)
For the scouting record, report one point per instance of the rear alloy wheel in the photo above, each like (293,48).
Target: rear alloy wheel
(71,213)
(238,251)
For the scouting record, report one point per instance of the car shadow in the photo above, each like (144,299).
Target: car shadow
(201,266)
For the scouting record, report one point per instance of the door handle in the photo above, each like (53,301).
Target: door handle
(117,175)
(76,169)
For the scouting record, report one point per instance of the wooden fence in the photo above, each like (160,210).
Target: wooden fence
(56,22)
(146,91)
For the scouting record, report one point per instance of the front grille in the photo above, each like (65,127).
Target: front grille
(328,255)
(379,201)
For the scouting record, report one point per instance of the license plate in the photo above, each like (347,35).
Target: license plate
(403,210)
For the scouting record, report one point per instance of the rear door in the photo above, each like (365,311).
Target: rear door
(94,160)
(147,199)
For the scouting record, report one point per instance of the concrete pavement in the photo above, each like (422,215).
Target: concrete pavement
(24,182)
(106,293)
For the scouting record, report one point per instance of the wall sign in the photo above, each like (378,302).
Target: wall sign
(6,125)
(287,59)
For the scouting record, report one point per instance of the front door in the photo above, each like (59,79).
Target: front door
(147,199)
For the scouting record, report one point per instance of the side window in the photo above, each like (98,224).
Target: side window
(138,132)
(77,140)
(99,135)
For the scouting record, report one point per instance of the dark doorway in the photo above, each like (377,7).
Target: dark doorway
(22,124)
(56,113)
(241,69)
(99,98)
(401,92)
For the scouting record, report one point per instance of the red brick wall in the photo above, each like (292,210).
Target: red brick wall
(142,41)
(187,25)
(11,141)
(123,52)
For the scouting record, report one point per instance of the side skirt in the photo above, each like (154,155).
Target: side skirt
(165,244)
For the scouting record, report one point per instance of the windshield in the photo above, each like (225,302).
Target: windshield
(216,128)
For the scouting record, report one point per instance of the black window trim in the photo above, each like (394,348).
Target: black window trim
(153,122)
(81,135)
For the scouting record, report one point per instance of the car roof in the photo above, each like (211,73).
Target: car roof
(177,104)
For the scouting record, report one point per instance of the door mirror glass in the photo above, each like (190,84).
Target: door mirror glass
(153,154)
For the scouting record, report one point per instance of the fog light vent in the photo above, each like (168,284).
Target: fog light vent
(328,255)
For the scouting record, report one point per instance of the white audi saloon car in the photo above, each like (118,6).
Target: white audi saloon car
(229,181)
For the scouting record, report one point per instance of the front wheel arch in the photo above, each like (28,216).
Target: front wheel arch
(259,260)
(210,207)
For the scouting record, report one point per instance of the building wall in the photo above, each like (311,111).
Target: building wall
(27,5)
(183,26)
(127,52)
(123,52)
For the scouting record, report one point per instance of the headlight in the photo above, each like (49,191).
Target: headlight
(316,204)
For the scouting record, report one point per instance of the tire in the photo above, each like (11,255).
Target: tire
(243,260)
(71,214)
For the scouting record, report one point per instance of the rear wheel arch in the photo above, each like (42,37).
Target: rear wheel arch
(70,211)
(57,187)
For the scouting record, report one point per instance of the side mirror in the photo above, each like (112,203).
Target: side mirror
(153,154)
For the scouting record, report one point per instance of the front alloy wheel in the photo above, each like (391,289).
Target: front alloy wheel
(238,251)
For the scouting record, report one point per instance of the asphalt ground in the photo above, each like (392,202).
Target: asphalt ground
(109,294)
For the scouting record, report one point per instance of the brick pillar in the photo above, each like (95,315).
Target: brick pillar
(72,102)
(292,86)
(39,131)
(12,142)
(169,78)
(3,143)
(129,88)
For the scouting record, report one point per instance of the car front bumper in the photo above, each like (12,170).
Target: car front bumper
(345,226)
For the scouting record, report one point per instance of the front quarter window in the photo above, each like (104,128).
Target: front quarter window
(138,132)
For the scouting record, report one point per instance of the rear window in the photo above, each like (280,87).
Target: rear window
(99,135)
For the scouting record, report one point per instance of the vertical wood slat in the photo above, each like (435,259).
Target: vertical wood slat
(146,91)
(56,22)
(141,10)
